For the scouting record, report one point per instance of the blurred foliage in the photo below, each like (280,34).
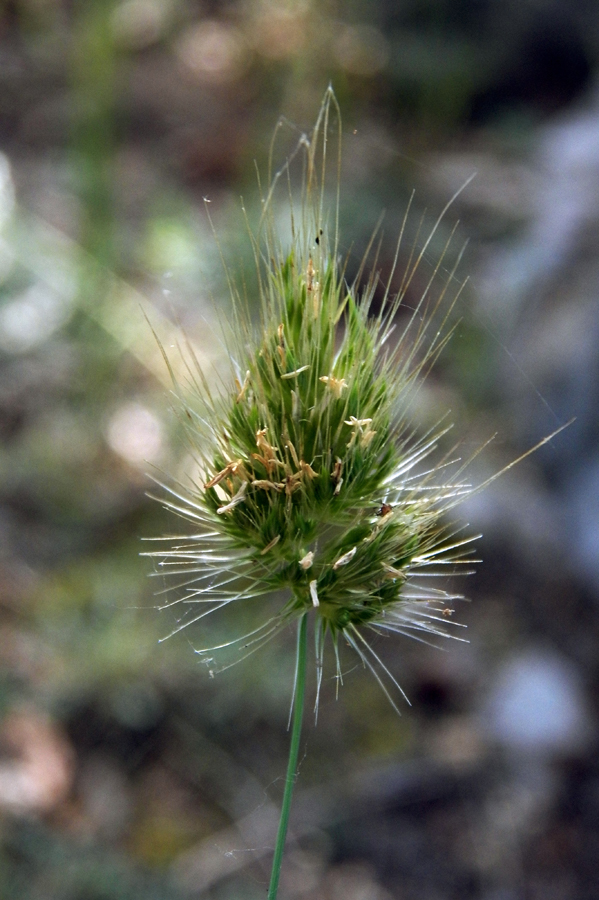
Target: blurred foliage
(120,758)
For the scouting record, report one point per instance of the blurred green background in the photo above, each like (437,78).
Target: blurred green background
(125,771)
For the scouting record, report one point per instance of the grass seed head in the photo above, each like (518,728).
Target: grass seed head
(311,490)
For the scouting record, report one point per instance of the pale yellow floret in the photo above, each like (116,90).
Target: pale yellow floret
(307,560)
(358,425)
(337,385)
(366,438)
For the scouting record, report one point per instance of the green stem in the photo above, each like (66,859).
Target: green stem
(296,730)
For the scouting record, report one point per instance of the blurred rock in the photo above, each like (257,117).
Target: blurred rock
(536,705)
(350,881)
(38,773)
(105,797)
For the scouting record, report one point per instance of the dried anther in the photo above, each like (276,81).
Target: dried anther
(295,372)
(295,405)
(281,346)
(233,468)
(267,485)
(294,455)
(242,387)
(272,544)
(336,476)
(306,469)
(292,483)
(313,286)
(337,470)
(310,273)
(262,443)
(268,456)
(347,557)
(314,594)
(235,501)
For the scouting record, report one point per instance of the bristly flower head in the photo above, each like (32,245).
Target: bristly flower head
(313,486)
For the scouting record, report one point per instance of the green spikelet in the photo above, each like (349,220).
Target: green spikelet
(310,489)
